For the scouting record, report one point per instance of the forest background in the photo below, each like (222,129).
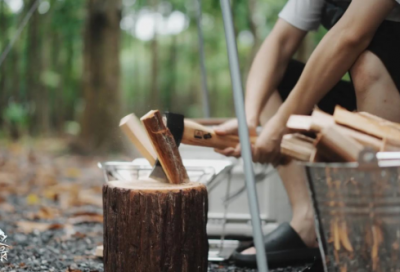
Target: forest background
(78,66)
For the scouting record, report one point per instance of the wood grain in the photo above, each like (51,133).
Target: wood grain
(135,132)
(338,147)
(151,227)
(165,147)
(297,146)
(199,135)
(365,124)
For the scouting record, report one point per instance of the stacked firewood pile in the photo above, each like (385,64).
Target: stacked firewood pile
(339,138)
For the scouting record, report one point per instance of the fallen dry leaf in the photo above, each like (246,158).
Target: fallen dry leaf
(29,226)
(46,213)
(32,199)
(86,219)
(73,270)
(90,197)
(73,173)
(7,207)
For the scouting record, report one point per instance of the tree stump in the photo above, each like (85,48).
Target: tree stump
(151,226)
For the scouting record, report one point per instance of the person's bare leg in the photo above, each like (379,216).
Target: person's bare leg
(293,178)
(375,90)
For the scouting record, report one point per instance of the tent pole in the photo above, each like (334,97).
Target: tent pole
(244,135)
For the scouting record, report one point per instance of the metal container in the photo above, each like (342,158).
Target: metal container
(357,207)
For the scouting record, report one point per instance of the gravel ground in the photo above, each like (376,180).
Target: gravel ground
(50,210)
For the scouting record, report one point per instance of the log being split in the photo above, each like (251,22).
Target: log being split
(151,226)
(165,146)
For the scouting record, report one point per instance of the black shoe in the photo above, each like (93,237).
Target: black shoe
(283,247)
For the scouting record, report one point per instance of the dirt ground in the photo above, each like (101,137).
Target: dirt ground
(51,209)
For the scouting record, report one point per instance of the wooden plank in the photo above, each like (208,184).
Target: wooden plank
(314,123)
(135,132)
(210,121)
(297,146)
(362,138)
(335,145)
(382,121)
(364,124)
(165,146)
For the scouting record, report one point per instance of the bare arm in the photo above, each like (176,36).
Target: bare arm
(336,54)
(269,67)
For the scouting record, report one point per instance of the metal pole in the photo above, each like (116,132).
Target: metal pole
(244,135)
(206,98)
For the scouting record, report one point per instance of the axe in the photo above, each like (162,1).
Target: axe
(165,141)
(181,131)
(192,133)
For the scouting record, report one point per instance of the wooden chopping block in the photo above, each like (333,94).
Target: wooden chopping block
(151,226)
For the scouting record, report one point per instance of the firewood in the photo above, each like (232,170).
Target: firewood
(297,146)
(365,124)
(152,226)
(165,146)
(314,123)
(210,121)
(382,121)
(320,120)
(335,144)
(134,130)
(362,138)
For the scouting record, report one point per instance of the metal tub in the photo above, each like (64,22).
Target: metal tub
(357,207)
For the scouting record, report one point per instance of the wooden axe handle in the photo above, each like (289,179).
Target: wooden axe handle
(196,134)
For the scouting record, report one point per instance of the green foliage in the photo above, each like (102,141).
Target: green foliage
(16,114)
(60,33)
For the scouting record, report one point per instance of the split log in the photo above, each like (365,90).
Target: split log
(336,146)
(314,123)
(165,146)
(151,226)
(134,130)
(380,120)
(297,146)
(365,124)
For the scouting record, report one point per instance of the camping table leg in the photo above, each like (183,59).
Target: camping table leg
(244,135)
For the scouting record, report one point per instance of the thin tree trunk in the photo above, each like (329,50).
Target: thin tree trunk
(3,42)
(33,70)
(154,88)
(170,70)
(101,77)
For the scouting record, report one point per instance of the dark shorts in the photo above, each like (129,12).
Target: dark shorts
(342,94)
(385,45)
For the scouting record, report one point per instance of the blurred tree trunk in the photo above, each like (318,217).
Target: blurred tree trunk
(169,91)
(252,7)
(3,44)
(154,89)
(101,77)
(35,89)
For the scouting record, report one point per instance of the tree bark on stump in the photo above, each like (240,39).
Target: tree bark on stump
(151,227)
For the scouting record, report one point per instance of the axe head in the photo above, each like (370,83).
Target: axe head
(175,124)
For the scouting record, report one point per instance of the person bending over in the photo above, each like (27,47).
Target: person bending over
(363,40)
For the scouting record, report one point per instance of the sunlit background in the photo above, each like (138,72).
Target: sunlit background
(46,87)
